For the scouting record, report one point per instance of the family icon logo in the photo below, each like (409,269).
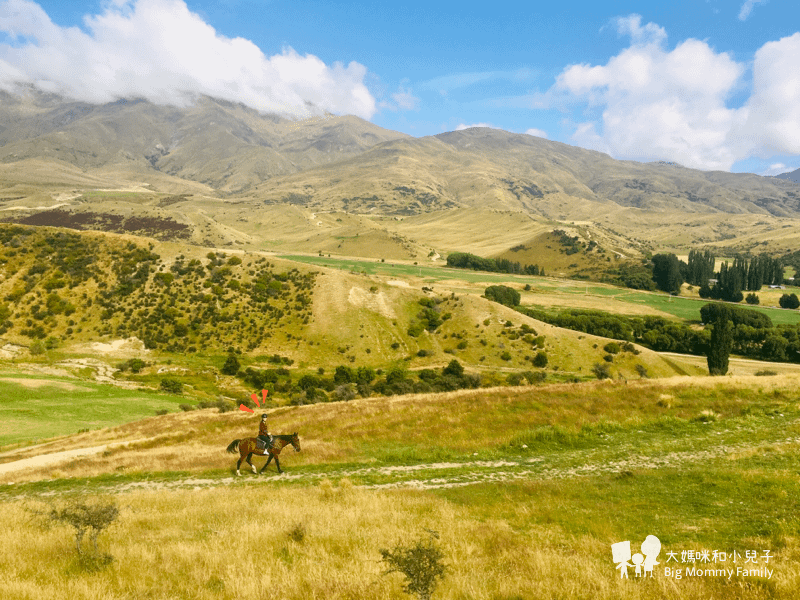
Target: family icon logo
(642,563)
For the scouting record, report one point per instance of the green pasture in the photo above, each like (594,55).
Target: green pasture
(34,408)
(687,309)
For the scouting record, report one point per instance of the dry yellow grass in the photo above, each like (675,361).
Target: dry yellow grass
(457,423)
(234,543)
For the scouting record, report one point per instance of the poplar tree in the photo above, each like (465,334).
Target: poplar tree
(721,342)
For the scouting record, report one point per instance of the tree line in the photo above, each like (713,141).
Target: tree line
(752,333)
(746,273)
(465,260)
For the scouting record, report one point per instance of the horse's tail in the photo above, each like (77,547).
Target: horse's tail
(233,447)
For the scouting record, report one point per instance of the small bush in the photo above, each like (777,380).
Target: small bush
(172,386)
(540,360)
(421,564)
(346,391)
(91,519)
(612,348)
(297,533)
(231,366)
(601,371)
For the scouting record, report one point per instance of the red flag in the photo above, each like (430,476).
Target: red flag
(243,407)
(255,399)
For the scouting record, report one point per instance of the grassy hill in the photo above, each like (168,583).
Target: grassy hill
(518,484)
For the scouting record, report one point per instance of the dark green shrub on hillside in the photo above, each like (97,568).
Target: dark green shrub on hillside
(231,366)
(789,301)
(503,295)
(453,368)
(540,360)
(752,298)
(171,386)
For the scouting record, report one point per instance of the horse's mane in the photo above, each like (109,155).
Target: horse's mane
(285,436)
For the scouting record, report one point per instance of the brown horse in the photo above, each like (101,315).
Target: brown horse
(248,447)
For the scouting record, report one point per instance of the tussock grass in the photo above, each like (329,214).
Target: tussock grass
(407,430)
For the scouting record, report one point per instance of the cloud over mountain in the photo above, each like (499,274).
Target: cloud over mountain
(653,102)
(161,51)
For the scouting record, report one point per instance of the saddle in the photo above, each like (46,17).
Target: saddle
(261,445)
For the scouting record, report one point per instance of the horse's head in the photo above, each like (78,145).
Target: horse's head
(295,442)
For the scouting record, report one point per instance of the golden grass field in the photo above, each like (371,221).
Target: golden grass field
(514,521)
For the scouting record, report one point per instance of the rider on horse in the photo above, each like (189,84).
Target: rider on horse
(263,434)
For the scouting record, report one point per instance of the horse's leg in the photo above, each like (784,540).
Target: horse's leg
(278,464)
(252,466)
(239,464)
(266,464)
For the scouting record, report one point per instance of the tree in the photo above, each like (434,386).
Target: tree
(503,295)
(231,366)
(667,273)
(789,301)
(453,368)
(721,342)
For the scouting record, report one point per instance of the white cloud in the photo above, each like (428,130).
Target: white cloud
(748,7)
(775,169)
(657,103)
(404,99)
(537,132)
(462,126)
(632,26)
(770,121)
(161,51)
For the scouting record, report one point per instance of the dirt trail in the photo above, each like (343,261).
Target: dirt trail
(565,465)
(55,458)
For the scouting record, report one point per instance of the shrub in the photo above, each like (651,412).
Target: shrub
(514,379)
(85,518)
(612,348)
(540,360)
(601,371)
(346,391)
(752,298)
(453,368)
(231,366)
(421,564)
(503,295)
(789,301)
(172,386)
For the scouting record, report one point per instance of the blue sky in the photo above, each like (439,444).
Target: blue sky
(712,84)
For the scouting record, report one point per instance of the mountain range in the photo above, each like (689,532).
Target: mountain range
(233,176)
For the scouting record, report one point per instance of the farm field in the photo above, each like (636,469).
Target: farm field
(526,489)
(36,407)
(546,291)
